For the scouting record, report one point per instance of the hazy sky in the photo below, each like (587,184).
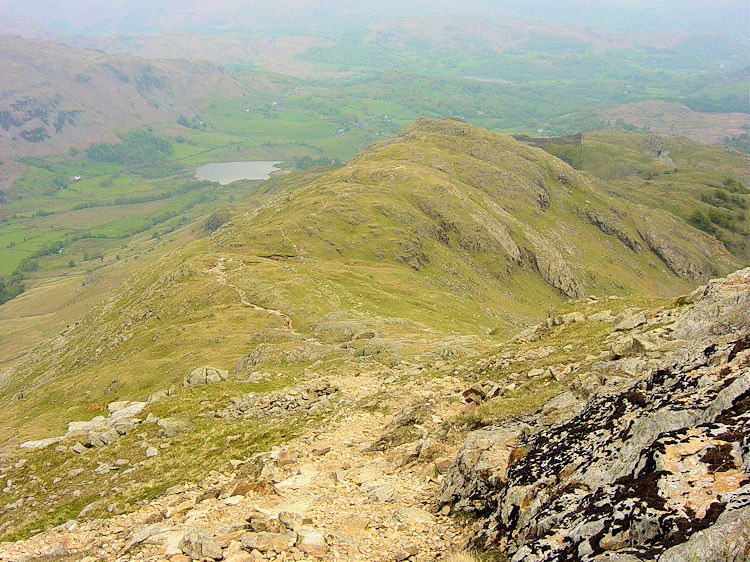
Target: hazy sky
(329,16)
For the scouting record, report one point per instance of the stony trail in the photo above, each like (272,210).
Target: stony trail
(348,501)
(219,270)
(656,424)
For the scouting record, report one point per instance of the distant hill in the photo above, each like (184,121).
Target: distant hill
(675,119)
(703,185)
(53,96)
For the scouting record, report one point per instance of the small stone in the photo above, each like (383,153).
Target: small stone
(145,532)
(406,553)
(199,544)
(242,557)
(58,551)
(380,491)
(291,520)
(412,516)
(311,541)
(355,524)
(277,542)
(151,452)
(573,317)
(443,465)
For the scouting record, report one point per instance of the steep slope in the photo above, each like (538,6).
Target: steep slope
(54,96)
(433,244)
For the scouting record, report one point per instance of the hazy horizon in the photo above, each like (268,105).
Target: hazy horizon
(330,18)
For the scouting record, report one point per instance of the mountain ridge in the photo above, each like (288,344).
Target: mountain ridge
(443,239)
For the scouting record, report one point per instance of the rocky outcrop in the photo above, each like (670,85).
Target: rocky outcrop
(554,269)
(720,308)
(609,224)
(313,397)
(655,469)
(675,245)
(100,430)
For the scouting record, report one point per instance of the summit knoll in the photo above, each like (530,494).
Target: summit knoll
(437,243)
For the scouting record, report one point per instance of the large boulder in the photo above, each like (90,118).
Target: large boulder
(722,308)
(204,375)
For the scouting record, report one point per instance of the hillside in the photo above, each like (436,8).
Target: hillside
(54,97)
(436,243)
(703,185)
(675,119)
(377,462)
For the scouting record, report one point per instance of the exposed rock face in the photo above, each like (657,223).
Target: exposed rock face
(659,469)
(554,269)
(674,246)
(722,308)
(609,224)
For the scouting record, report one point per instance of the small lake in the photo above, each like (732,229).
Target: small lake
(227,172)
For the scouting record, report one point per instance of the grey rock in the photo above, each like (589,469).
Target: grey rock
(608,223)
(145,532)
(171,427)
(726,541)
(199,544)
(482,461)
(311,541)
(40,444)
(380,491)
(562,406)
(722,308)
(204,375)
(125,409)
(265,542)
(412,516)
(647,462)
(58,551)
(554,269)
(291,520)
(573,317)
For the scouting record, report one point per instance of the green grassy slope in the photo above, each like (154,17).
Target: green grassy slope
(703,185)
(446,235)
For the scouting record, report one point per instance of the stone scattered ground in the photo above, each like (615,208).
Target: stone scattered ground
(338,497)
(384,473)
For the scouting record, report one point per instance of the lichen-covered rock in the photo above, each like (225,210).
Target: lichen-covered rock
(653,469)
(482,462)
(721,308)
